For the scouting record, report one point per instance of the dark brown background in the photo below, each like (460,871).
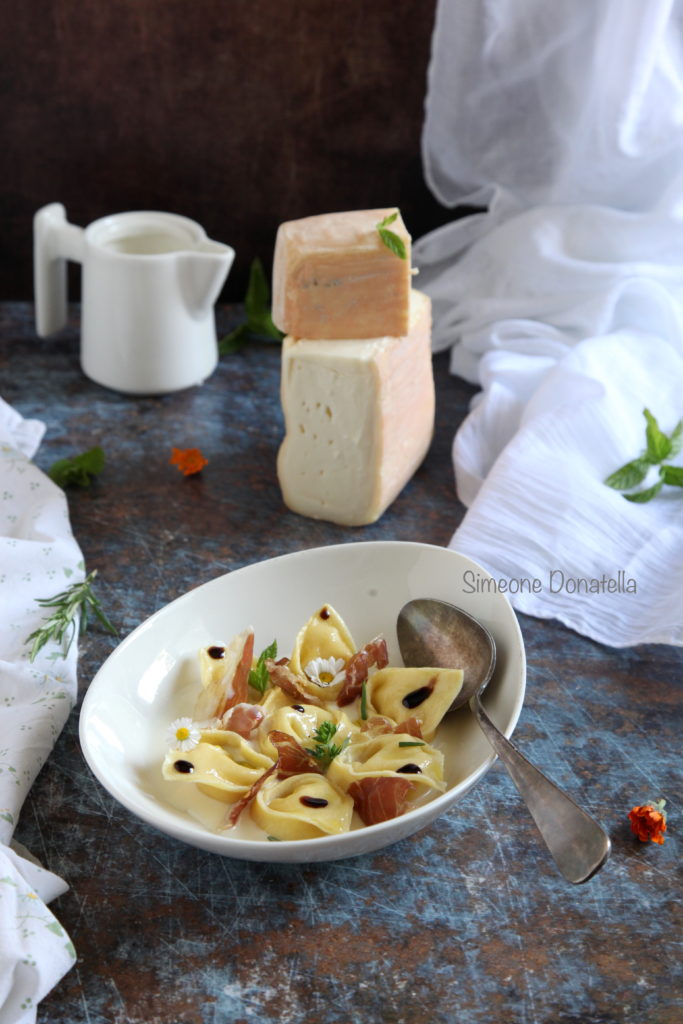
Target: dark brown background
(237,113)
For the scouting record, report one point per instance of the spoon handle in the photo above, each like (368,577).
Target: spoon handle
(579,846)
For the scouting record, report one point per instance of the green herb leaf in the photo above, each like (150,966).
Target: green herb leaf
(390,238)
(364,700)
(640,497)
(76,600)
(411,743)
(325,750)
(672,475)
(258,322)
(234,341)
(676,438)
(658,444)
(630,475)
(78,470)
(258,676)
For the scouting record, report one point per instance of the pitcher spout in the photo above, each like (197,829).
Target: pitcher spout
(201,273)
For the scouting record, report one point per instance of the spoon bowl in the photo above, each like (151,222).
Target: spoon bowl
(440,635)
(436,634)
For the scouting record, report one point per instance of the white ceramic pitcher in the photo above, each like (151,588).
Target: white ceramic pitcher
(149,284)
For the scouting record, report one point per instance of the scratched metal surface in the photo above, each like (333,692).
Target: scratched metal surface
(467,921)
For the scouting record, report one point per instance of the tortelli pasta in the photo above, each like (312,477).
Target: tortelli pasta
(326,740)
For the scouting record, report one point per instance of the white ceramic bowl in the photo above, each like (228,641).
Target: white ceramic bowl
(152,678)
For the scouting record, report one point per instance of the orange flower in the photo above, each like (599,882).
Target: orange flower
(188,460)
(648,822)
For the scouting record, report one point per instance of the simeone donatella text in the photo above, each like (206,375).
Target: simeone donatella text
(556,582)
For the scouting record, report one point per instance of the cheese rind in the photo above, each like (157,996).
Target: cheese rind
(334,278)
(359,419)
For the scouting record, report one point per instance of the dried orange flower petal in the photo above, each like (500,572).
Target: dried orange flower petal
(188,460)
(648,822)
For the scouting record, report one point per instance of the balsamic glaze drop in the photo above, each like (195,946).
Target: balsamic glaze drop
(410,769)
(313,801)
(186,767)
(417,697)
(298,707)
(216,652)
(325,613)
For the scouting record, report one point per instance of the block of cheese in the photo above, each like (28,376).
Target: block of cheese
(333,277)
(359,419)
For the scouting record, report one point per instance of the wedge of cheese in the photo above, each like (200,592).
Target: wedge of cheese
(334,278)
(359,419)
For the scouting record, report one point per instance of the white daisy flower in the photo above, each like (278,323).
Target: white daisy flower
(325,671)
(183,734)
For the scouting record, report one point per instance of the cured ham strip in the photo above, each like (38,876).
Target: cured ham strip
(292,759)
(380,724)
(243,719)
(380,798)
(237,808)
(358,666)
(281,675)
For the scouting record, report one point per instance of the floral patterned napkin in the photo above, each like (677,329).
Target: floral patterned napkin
(38,558)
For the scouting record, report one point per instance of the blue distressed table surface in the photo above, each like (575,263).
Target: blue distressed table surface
(467,921)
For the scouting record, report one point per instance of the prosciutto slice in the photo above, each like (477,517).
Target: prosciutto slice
(358,666)
(380,798)
(379,724)
(243,719)
(237,808)
(281,675)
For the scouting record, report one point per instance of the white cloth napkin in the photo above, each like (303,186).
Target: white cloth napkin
(563,300)
(38,558)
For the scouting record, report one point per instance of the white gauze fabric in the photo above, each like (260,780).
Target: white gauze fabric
(563,299)
(38,558)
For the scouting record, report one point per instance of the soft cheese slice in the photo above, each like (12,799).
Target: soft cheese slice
(359,420)
(333,277)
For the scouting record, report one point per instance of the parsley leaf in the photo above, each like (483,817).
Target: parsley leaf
(258,322)
(390,238)
(78,470)
(325,750)
(258,676)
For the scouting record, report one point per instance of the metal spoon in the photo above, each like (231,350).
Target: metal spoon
(436,634)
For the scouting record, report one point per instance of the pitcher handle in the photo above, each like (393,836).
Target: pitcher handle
(54,242)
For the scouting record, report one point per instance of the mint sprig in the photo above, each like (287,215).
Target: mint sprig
(78,470)
(658,447)
(259,322)
(258,676)
(390,238)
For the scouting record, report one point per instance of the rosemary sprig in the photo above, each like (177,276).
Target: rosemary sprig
(325,750)
(78,599)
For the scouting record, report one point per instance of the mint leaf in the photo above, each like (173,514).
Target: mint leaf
(658,444)
(259,322)
(78,470)
(672,475)
(234,341)
(630,475)
(390,238)
(676,438)
(258,676)
(648,494)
